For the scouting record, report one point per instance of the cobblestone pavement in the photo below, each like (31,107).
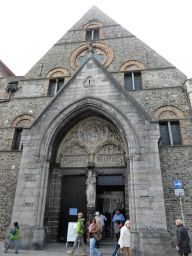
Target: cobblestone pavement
(57,249)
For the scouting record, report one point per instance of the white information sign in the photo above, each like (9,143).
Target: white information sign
(71,233)
(179,192)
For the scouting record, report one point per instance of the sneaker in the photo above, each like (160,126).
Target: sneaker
(70,252)
(84,254)
(16,252)
(5,251)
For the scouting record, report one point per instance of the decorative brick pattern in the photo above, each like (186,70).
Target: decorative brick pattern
(93,24)
(132,65)
(57,72)
(168,112)
(22,121)
(97,45)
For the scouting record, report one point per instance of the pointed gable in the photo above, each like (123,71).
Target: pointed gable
(112,42)
(92,80)
(5,71)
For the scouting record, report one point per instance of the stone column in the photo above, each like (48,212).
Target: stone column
(39,230)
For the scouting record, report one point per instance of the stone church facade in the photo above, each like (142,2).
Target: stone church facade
(99,101)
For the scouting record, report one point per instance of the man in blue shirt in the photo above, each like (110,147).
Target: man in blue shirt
(118,216)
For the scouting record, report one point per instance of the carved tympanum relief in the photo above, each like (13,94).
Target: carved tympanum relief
(92,131)
(92,140)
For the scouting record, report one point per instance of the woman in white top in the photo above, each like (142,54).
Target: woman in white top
(124,240)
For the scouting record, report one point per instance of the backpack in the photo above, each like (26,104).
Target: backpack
(85,228)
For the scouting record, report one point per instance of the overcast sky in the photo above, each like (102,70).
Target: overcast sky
(29,28)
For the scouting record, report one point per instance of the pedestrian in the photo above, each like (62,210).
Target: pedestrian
(118,216)
(117,235)
(14,237)
(103,219)
(93,233)
(99,223)
(79,235)
(124,240)
(183,239)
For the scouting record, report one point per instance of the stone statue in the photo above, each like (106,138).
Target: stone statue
(91,189)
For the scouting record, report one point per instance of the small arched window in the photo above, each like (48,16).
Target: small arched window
(169,125)
(57,79)
(132,75)
(92,29)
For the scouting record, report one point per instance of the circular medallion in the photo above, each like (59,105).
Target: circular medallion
(92,131)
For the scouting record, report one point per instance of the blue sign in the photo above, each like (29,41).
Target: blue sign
(72,211)
(178,184)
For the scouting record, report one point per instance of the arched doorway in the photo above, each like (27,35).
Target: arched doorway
(90,137)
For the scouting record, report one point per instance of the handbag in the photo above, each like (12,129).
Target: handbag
(96,236)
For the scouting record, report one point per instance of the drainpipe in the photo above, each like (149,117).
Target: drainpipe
(4,100)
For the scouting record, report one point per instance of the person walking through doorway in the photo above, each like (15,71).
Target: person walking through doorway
(183,239)
(117,235)
(93,235)
(79,235)
(118,216)
(103,219)
(124,240)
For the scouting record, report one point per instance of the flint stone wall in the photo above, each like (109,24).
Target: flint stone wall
(176,164)
(9,169)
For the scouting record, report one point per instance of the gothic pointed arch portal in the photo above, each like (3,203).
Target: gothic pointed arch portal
(90,137)
(92,140)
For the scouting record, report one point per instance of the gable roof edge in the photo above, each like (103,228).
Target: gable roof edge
(120,87)
(57,94)
(116,83)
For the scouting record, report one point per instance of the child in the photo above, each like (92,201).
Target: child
(14,236)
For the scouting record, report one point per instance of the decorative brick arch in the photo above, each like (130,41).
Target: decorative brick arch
(57,72)
(93,24)
(168,112)
(132,65)
(90,25)
(22,121)
(100,47)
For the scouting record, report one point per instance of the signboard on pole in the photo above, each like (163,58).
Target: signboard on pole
(179,192)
